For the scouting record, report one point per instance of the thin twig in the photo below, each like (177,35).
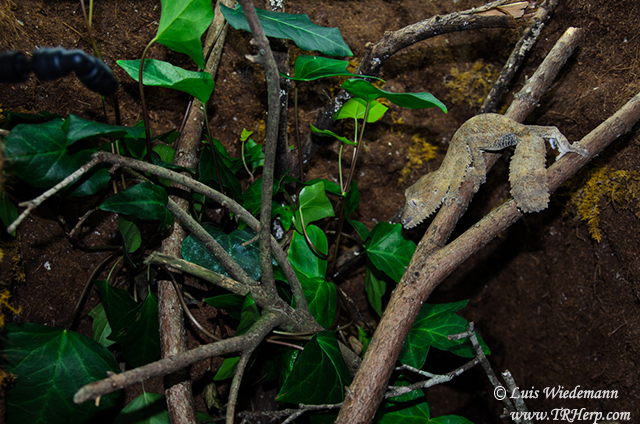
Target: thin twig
(266,59)
(32,204)
(235,384)
(511,67)
(174,363)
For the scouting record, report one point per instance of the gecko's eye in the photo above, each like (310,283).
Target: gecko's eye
(413,202)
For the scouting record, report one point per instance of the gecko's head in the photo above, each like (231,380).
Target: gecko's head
(422,199)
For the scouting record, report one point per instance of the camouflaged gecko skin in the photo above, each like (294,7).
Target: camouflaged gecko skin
(487,132)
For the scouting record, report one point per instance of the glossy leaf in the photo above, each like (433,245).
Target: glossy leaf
(309,68)
(329,186)
(388,250)
(253,154)
(130,234)
(141,342)
(356,107)
(375,285)
(329,133)
(295,27)
(120,308)
(142,201)
(225,166)
(37,154)
(319,375)
(322,298)
(311,270)
(366,91)
(432,328)
(79,128)
(51,365)
(227,369)
(148,408)
(182,24)
(101,328)
(163,74)
(8,211)
(250,314)
(231,303)
(248,257)
(360,228)
(303,260)
(351,201)
(314,205)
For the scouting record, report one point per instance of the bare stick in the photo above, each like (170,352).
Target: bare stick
(432,263)
(528,39)
(32,204)
(235,385)
(266,59)
(181,265)
(174,363)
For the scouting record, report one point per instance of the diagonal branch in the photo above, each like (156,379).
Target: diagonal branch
(252,338)
(432,263)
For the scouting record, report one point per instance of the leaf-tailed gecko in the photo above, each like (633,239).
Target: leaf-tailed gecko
(488,132)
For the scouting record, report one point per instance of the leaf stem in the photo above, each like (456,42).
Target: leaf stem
(145,112)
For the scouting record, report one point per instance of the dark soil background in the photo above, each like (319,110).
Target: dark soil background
(556,307)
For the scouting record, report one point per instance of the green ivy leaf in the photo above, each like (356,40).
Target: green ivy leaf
(248,257)
(142,201)
(253,154)
(51,365)
(351,201)
(412,408)
(329,133)
(319,375)
(375,285)
(329,186)
(130,234)
(388,250)
(38,154)
(120,308)
(101,327)
(182,24)
(366,91)
(148,408)
(356,107)
(232,303)
(250,314)
(311,270)
(141,342)
(79,129)
(432,328)
(322,298)
(227,369)
(295,27)
(8,211)
(314,205)
(309,68)
(227,173)
(163,74)
(303,260)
